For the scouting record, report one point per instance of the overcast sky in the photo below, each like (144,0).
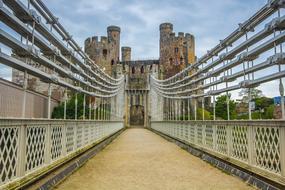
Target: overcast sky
(208,20)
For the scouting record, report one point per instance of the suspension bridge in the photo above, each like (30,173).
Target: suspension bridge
(73,153)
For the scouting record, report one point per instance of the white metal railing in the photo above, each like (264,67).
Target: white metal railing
(258,146)
(28,146)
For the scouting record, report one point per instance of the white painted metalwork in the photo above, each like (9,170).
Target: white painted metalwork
(27,146)
(257,146)
(254,145)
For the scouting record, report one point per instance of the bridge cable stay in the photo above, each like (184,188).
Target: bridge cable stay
(246,59)
(37,45)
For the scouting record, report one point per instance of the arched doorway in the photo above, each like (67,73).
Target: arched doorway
(137,115)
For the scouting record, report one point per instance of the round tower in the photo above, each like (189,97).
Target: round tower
(126,53)
(114,42)
(166,33)
(165,30)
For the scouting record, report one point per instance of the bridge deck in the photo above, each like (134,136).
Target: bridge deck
(140,159)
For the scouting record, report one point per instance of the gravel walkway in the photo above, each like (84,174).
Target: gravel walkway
(139,159)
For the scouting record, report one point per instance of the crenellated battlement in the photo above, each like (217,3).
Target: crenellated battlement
(105,50)
(184,36)
(94,41)
(176,50)
(166,26)
(113,28)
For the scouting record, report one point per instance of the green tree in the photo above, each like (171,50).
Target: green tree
(255,93)
(269,112)
(207,115)
(58,112)
(221,107)
(263,102)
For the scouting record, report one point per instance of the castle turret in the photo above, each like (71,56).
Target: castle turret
(114,42)
(190,44)
(175,52)
(126,54)
(165,30)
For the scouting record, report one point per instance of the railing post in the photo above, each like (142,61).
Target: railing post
(63,140)
(48,144)
(249,104)
(195,133)
(75,135)
(214,137)
(229,130)
(21,160)
(203,135)
(282,150)
(251,152)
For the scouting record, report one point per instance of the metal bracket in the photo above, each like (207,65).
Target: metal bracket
(247,84)
(35,16)
(276,23)
(278,58)
(245,57)
(52,22)
(70,73)
(68,37)
(33,51)
(223,55)
(79,89)
(54,78)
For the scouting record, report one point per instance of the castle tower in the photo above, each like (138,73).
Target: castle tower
(175,52)
(166,31)
(190,47)
(106,52)
(113,33)
(126,53)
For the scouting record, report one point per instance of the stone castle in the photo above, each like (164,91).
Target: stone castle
(175,52)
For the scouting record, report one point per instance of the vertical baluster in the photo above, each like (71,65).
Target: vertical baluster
(250,140)
(229,129)
(48,144)
(214,137)
(21,159)
(63,140)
